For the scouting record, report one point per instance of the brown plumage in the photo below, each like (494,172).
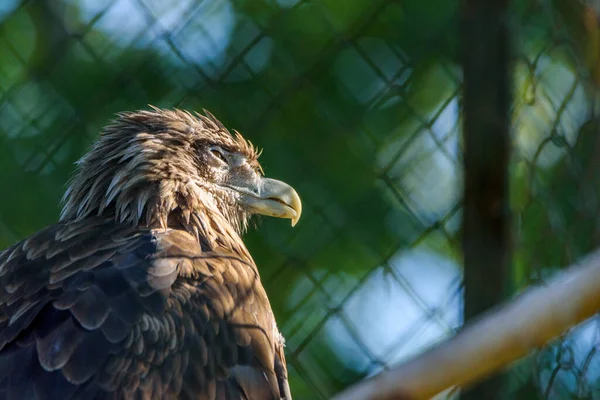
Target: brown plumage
(144,289)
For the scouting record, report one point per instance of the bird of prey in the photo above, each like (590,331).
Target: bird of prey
(144,288)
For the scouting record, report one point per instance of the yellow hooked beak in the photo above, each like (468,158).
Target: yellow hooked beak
(272,198)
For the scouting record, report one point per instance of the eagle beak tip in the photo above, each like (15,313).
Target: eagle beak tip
(297,207)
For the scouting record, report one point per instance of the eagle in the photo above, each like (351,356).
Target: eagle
(144,288)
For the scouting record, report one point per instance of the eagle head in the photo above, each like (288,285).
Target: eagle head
(161,168)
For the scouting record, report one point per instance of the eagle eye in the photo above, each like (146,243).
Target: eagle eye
(218,153)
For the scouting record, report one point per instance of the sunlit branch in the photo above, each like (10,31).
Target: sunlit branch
(491,343)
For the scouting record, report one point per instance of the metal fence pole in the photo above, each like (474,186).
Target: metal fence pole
(486,217)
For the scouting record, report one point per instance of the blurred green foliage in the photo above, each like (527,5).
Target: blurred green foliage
(357,105)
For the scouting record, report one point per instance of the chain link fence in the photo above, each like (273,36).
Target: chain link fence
(357,105)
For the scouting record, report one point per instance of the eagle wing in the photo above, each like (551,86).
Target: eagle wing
(95,310)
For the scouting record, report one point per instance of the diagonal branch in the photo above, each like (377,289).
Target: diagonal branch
(494,341)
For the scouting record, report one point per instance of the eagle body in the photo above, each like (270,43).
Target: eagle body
(144,289)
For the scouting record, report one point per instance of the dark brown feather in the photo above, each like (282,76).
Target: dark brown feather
(120,312)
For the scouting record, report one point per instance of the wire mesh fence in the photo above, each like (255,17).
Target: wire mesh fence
(357,104)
